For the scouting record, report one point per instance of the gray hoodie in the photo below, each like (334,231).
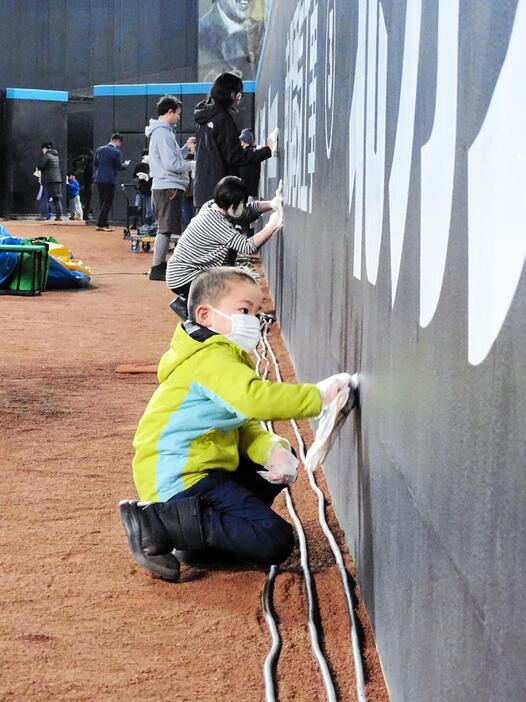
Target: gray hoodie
(168,168)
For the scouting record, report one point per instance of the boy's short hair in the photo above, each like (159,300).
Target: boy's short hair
(230,190)
(168,102)
(210,285)
(47,145)
(117,136)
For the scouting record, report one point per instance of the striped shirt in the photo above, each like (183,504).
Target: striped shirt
(206,241)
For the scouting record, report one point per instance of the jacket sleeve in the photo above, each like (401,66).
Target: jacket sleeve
(239,389)
(255,442)
(170,155)
(117,159)
(251,214)
(96,159)
(43,163)
(227,140)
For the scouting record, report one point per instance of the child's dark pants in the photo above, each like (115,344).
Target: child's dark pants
(237,518)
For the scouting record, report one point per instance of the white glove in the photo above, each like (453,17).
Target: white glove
(281,466)
(126,163)
(330,387)
(143,176)
(277,201)
(272,141)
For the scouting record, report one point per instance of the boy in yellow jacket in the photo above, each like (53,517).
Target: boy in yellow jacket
(200,445)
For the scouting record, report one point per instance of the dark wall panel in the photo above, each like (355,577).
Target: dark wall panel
(402,257)
(28,123)
(73,45)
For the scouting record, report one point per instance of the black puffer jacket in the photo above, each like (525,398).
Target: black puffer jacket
(219,152)
(49,166)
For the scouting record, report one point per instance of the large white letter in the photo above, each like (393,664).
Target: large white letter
(356,137)
(405,128)
(438,165)
(375,137)
(497,200)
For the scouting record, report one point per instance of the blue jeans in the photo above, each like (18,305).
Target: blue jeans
(237,518)
(145,201)
(43,204)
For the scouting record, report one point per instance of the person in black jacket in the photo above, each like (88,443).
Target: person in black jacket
(51,178)
(219,152)
(249,174)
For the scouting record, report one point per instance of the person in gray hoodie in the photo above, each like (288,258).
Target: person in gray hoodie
(170,176)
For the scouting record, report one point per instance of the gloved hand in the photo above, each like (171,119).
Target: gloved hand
(331,386)
(277,201)
(272,141)
(281,465)
(126,163)
(143,176)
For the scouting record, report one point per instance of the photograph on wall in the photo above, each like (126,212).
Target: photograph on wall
(230,37)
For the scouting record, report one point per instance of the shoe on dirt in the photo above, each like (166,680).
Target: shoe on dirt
(136,527)
(158,272)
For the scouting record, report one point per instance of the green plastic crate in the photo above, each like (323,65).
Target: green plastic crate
(30,274)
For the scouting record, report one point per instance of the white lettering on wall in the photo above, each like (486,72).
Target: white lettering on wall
(300,105)
(497,200)
(356,140)
(403,150)
(367,124)
(330,68)
(438,165)
(375,138)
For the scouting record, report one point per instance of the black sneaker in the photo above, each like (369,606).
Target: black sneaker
(158,272)
(141,539)
(180,306)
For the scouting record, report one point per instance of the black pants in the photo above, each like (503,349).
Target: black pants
(106,195)
(237,518)
(183,290)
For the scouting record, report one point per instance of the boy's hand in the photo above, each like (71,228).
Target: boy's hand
(331,386)
(281,466)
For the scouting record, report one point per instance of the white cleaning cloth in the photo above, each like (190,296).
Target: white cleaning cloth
(330,423)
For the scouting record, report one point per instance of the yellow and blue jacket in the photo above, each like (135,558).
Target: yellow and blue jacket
(206,413)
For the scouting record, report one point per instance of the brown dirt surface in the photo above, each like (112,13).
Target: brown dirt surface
(80,621)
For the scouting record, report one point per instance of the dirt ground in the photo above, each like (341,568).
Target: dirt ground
(79,620)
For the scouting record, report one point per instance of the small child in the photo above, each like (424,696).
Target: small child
(73,187)
(200,445)
(251,172)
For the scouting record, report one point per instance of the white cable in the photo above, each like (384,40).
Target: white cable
(268,667)
(355,643)
(313,630)
(304,558)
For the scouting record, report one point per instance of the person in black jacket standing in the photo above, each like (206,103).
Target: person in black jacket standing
(219,152)
(51,178)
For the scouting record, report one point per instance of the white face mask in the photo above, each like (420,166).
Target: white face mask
(245,330)
(238,211)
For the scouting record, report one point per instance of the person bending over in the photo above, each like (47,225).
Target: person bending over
(200,445)
(213,237)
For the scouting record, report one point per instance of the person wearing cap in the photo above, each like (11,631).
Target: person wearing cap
(250,172)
